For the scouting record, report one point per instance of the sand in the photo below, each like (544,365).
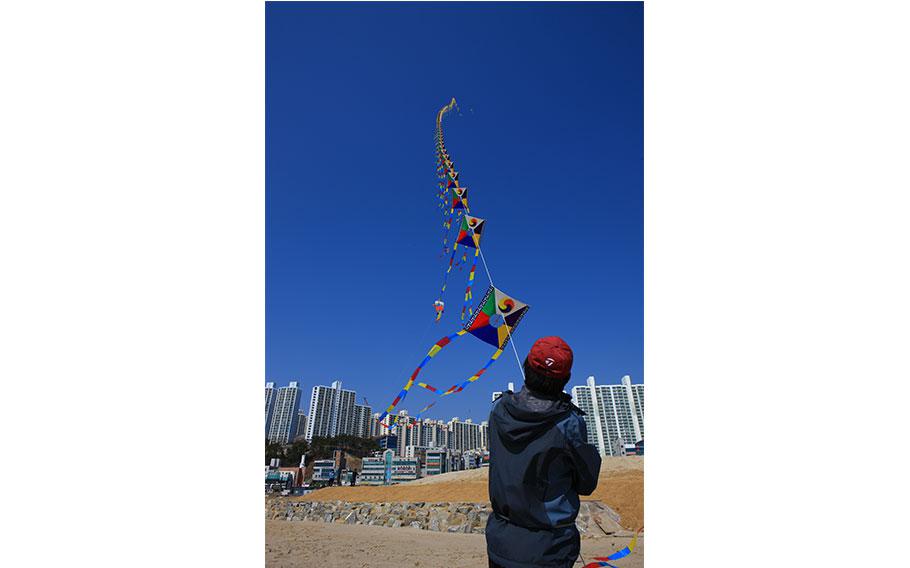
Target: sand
(301,544)
(620,486)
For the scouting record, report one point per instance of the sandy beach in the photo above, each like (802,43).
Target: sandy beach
(301,544)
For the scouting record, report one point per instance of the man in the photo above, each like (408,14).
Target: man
(540,462)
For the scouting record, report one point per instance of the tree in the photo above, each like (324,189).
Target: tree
(318,449)
(323,448)
(295,451)
(273,450)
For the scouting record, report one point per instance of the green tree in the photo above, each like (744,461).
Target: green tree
(273,450)
(295,451)
(323,448)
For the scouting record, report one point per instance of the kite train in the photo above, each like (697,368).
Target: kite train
(453,200)
(497,315)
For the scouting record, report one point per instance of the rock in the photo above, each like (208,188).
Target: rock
(455,528)
(351,518)
(434,525)
(416,525)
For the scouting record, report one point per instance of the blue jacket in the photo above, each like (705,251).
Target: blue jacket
(540,462)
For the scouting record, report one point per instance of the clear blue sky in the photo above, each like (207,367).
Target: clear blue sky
(549,144)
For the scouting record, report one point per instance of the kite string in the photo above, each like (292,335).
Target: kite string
(508,331)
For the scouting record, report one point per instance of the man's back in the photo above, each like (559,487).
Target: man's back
(540,462)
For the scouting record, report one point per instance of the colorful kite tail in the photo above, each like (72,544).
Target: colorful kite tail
(602,561)
(468,296)
(436,348)
(458,388)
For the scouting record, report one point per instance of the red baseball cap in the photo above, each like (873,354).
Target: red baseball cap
(551,357)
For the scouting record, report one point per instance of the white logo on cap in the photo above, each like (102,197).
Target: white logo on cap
(549,361)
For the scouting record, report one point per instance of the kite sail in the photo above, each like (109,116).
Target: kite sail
(496,318)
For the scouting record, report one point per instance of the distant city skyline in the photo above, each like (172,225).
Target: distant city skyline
(357,411)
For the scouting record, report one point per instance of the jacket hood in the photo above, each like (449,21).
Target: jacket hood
(525,415)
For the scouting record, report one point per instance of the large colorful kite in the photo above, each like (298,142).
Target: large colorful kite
(495,320)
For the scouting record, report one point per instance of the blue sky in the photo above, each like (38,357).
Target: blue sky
(549,142)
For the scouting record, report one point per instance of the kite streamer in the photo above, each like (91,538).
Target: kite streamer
(603,560)
(468,237)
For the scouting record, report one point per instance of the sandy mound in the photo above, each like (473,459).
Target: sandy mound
(621,487)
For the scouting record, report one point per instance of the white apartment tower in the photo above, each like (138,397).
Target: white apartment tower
(614,414)
(432,434)
(466,435)
(361,422)
(331,412)
(375,426)
(269,406)
(283,426)
(406,435)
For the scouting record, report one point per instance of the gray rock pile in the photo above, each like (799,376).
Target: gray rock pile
(438,517)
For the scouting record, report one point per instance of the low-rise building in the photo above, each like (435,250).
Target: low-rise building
(387,468)
(324,471)
(373,470)
(436,461)
(388,442)
(405,469)
(472,459)
(277,480)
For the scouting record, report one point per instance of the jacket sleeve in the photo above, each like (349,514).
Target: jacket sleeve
(584,456)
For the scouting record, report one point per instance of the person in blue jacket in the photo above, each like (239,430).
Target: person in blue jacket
(540,462)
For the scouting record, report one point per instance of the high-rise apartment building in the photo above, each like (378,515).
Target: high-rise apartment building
(361,422)
(331,412)
(301,424)
(375,426)
(614,414)
(269,406)
(432,434)
(407,431)
(466,435)
(283,426)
